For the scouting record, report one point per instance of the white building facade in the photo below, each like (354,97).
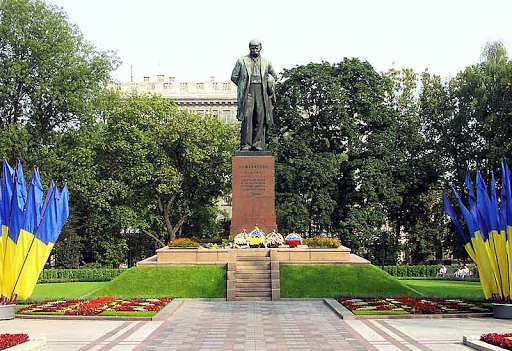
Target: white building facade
(216,98)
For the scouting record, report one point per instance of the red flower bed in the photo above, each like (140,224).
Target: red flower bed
(501,340)
(96,306)
(412,305)
(10,340)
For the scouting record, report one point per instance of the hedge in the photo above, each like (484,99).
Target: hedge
(78,275)
(412,271)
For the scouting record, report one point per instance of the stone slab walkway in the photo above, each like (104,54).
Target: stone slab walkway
(254,326)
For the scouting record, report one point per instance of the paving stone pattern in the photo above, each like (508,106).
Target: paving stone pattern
(251,326)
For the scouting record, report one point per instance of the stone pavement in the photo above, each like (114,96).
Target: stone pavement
(286,325)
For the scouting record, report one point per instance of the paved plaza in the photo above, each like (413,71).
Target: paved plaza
(285,325)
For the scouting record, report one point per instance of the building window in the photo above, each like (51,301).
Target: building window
(201,112)
(151,86)
(167,86)
(200,86)
(215,86)
(226,115)
(183,86)
(215,113)
(226,86)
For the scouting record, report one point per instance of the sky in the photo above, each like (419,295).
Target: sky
(195,39)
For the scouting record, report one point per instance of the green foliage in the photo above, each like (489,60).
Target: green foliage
(50,75)
(334,281)
(350,159)
(78,275)
(147,282)
(412,271)
(178,162)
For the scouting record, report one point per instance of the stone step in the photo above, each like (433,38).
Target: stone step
(253,253)
(244,263)
(253,294)
(252,268)
(251,275)
(253,298)
(252,258)
(253,284)
(252,289)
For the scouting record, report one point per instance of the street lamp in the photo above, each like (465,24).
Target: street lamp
(129,231)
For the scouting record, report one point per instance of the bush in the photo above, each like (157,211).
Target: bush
(78,275)
(322,242)
(412,271)
(183,242)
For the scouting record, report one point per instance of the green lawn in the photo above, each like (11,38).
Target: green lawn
(334,281)
(148,282)
(447,289)
(63,290)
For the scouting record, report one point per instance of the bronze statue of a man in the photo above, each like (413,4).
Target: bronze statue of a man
(255,78)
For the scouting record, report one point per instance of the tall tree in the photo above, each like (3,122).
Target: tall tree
(50,75)
(171,162)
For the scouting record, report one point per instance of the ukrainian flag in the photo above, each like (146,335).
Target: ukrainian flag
(13,258)
(5,212)
(490,226)
(506,216)
(482,259)
(30,228)
(54,216)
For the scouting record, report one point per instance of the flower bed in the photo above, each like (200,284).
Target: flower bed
(99,306)
(501,340)
(411,305)
(10,340)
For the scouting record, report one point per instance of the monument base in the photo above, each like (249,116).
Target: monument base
(253,198)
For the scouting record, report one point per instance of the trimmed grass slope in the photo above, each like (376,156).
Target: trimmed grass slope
(67,291)
(447,289)
(148,282)
(334,281)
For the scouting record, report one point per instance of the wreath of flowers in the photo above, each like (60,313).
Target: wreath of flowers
(293,239)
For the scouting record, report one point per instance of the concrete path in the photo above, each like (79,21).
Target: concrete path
(286,325)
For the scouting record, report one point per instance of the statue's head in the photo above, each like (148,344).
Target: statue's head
(255,47)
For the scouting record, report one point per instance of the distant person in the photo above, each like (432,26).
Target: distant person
(459,273)
(442,271)
(465,272)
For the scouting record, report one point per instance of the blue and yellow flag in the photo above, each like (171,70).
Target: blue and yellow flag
(5,212)
(13,256)
(54,217)
(489,222)
(30,228)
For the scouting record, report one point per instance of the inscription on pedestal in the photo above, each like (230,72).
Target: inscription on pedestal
(255,187)
(253,194)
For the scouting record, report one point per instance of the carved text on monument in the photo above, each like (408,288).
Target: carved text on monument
(253,186)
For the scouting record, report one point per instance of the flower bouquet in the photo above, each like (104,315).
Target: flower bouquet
(257,238)
(293,239)
(274,239)
(241,239)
